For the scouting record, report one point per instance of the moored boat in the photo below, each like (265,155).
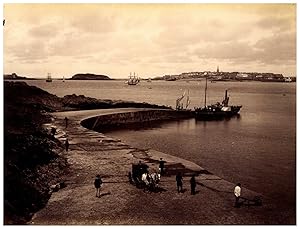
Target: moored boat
(217,111)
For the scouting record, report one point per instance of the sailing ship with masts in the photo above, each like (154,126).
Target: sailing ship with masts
(133,80)
(49,78)
(180,106)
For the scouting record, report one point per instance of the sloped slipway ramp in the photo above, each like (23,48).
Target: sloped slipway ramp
(92,153)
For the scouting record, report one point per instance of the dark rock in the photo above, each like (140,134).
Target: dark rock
(89,76)
(29,151)
(81,102)
(13,76)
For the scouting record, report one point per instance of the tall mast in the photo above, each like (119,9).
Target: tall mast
(205,92)
(188,100)
(226,99)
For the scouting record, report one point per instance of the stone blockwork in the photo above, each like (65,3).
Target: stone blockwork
(127,118)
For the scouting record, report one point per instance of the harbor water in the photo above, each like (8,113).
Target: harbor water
(257,149)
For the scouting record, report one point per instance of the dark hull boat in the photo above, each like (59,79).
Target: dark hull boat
(217,111)
(49,79)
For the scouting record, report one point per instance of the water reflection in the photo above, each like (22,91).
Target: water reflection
(152,125)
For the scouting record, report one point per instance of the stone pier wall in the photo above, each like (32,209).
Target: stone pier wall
(119,120)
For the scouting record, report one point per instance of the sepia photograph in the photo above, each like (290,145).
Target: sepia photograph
(149,113)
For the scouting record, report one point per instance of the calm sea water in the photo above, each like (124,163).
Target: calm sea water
(258,149)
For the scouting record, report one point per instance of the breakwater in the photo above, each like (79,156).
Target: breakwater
(125,119)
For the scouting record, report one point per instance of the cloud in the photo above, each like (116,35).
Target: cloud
(94,23)
(29,51)
(277,24)
(148,37)
(279,47)
(274,49)
(170,58)
(226,50)
(45,30)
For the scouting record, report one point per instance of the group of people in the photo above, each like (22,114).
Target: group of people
(179,182)
(150,181)
(179,179)
(53,132)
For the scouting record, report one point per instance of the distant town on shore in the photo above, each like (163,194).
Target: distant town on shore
(212,76)
(229,76)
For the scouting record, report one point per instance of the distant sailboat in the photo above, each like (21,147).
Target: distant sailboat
(133,80)
(49,79)
(149,81)
(63,79)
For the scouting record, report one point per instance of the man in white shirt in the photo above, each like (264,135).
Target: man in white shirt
(237,193)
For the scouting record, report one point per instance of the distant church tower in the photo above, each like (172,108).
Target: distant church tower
(218,69)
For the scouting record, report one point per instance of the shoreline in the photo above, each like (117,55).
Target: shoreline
(88,148)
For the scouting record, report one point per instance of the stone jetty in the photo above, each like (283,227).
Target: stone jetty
(121,203)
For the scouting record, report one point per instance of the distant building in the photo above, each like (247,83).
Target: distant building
(288,79)
(242,75)
(218,75)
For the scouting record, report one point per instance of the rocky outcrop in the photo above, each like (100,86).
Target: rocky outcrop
(30,96)
(89,76)
(86,103)
(32,160)
(13,76)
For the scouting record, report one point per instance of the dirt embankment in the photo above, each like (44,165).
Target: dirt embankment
(33,159)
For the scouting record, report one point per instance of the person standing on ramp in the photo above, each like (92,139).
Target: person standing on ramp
(98,183)
(237,194)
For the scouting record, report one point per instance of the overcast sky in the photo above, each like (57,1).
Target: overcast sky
(149,39)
